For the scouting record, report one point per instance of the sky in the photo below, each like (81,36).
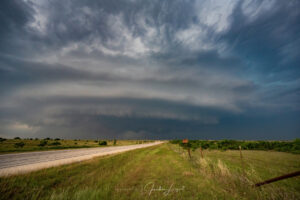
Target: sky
(150,69)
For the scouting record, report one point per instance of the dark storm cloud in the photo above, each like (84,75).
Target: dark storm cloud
(13,17)
(95,114)
(93,18)
(61,23)
(149,69)
(270,42)
(270,45)
(16,72)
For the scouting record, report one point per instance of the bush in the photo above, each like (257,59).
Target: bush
(56,139)
(43,143)
(224,148)
(102,143)
(175,141)
(19,144)
(115,141)
(17,138)
(55,143)
(2,139)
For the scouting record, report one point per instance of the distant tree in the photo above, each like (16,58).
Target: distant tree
(43,143)
(19,144)
(285,146)
(17,138)
(101,143)
(2,139)
(57,139)
(55,143)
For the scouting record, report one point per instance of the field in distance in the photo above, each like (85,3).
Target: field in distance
(162,172)
(24,145)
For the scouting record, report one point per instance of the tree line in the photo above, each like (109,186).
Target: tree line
(284,146)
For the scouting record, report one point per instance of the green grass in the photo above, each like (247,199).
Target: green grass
(131,175)
(8,146)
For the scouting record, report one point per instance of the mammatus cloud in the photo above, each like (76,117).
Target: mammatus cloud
(137,69)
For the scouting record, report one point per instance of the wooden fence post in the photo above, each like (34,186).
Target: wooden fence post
(243,165)
(189,151)
(201,151)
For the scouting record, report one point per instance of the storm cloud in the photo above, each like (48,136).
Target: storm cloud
(150,69)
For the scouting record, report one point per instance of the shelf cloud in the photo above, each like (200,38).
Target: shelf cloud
(150,69)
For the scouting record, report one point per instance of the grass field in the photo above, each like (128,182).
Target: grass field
(8,145)
(161,172)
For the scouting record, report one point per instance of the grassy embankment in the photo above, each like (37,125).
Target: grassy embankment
(131,175)
(9,145)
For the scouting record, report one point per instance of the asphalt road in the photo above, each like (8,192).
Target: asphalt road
(17,163)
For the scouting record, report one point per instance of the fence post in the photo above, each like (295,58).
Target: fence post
(242,161)
(189,150)
(201,151)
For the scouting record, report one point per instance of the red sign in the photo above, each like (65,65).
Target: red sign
(185,141)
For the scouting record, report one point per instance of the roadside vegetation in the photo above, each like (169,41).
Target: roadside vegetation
(162,172)
(284,146)
(29,144)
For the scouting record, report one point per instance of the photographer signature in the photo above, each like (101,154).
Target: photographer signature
(150,188)
(166,191)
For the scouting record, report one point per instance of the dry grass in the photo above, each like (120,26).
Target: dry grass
(125,176)
(227,171)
